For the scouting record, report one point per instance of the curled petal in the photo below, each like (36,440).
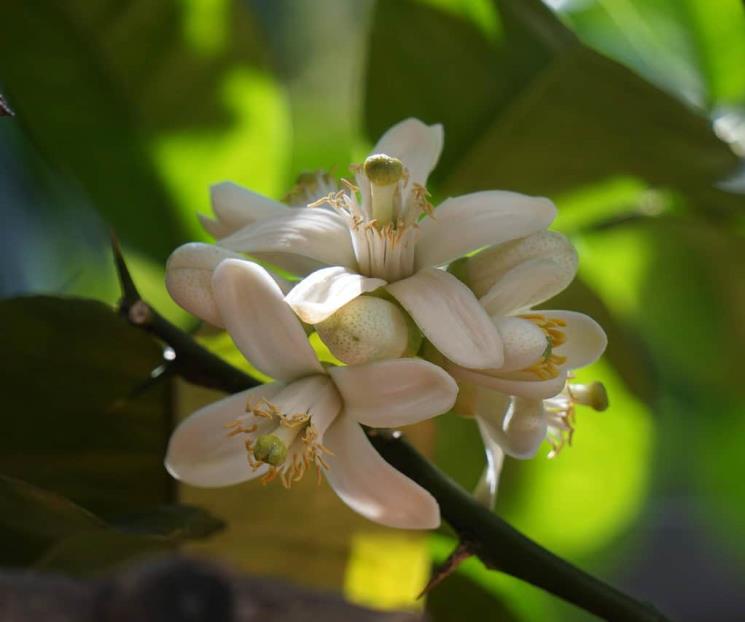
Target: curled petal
(322,293)
(189,278)
(260,322)
(585,338)
(202,453)
(488,484)
(517,425)
(484,269)
(417,145)
(524,343)
(371,486)
(395,392)
(318,235)
(449,315)
(469,222)
(537,389)
(526,285)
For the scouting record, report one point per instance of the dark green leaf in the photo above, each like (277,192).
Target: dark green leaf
(31,519)
(175,522)
(78,417)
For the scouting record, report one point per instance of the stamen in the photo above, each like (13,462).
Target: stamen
(561,411)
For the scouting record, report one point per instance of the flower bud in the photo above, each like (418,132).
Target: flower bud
(369,329)
(593,395)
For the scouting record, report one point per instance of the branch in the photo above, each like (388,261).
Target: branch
(501,547)
(191,361)
(493,541)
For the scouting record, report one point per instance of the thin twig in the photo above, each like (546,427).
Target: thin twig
(460,554)
(498,545)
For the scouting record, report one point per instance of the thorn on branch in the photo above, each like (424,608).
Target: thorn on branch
(130,295)
(461,553)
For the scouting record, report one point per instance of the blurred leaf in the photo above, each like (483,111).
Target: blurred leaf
(688,46)
(144,128)
(31,519)
(78,417)
(557,115)
(92,552)
(175,522)
(458,598)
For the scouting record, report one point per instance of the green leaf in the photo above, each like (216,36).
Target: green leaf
(79,417)
(174,522)
(143,128)
(539,112)
(32,518)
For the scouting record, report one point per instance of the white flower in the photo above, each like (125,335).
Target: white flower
(517,426)
(374,237)
(541,346)
(311,417)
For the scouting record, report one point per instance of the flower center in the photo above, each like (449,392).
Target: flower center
(288,443)
(548,365)
(561,411)
(381,212)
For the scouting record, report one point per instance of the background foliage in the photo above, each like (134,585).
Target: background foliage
(630,114)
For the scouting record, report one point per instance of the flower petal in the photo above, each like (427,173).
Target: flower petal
(395,392)
(235,206)
(521,430)
(189,278)
(538,389)
(486,489)
(585,338)
(260,322)
(322,293)
(484,269)
(466,223)
(526,285)
(201,452)
(314,395)
(371,486)
(416,144)
(524,343)
(315,234)
(450,317)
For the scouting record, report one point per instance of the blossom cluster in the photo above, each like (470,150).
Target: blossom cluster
(428,310)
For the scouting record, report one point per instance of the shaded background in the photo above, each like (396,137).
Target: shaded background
(630,114)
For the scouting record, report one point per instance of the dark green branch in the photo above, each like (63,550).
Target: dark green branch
(496,543)
(503,548)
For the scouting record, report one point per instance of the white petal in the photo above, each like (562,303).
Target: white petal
(524,343)
(538,389)
(449,315)
(486,489)
(200,451)
(417,145)
(526,285)
(585,338)
(395,392)
(469,222)
(189,278)
(213,226)
(371,486)
(517,425)
(315,234)
(235,206)
(315,395)
(485,268)
(324,291)
(260,322)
